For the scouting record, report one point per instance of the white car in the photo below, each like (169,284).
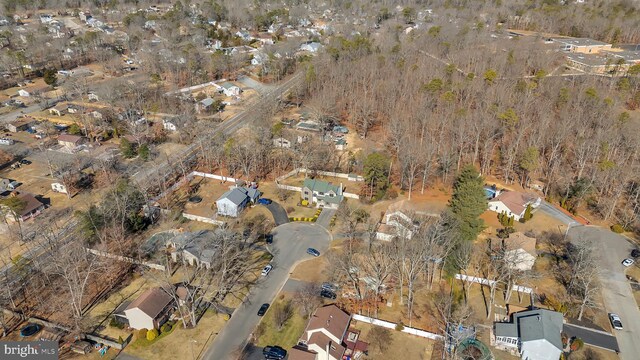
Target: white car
(616,322)
(267,270)
(627,262)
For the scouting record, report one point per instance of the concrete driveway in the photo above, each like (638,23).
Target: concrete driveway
(289,247)
(616,291)
(279,213)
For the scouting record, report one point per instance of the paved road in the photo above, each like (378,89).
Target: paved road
(290,244)
(597,338)
(557,214)
(261,88)
(616,290)
(14,115)
(279,213)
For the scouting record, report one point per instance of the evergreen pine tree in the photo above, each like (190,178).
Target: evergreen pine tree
(468,202)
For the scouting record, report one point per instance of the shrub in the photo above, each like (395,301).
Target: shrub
(576,344)
(142,333)
(152,334)
(617,228)
(120,340)
(166,328)
(400,326)
(290,209)
(116,324)
(290,219)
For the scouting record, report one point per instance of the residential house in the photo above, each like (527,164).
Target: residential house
(309,126)
(70,141)
(265,39)
(244,35)
(232,202)
(229,89)
(169,124)
(513,203)
(96,114)
(328,337)
(581,45)
(74,109)
(259,58)
(8,185)
(93,97)
(395,223)
(23,93)
(59,109)
(193,248)
(322,193)
(32,206)
(341,144)
(311,47)
(533,334)
(20,125)
(518,250)
(281,143)
(204,104)
(46,18)
(149,311)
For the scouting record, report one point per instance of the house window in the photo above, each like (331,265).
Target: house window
(306,192)
(331,195)
(321,193)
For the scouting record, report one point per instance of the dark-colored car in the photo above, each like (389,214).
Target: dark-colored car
(25,162)
(268,238)
(314,252)
(264,201)
(274,352)
(329,286)
(263,309)
(328,294)
(635,253)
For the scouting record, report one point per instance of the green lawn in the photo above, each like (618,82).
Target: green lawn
(288,336)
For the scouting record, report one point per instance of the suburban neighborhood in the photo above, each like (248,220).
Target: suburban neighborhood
(301,180)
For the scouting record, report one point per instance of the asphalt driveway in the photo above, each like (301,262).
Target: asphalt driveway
(279,213)
(616,290)
(592,337)
(289,247)
(551,210)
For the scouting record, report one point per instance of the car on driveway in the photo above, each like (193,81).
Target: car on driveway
(328,294)
(314,252)
(329,286)
(635,253)
(268,238)
(264,201)
(267,270)
(263,309)
(627,262)
(616,322)
(273,352)
(25,162)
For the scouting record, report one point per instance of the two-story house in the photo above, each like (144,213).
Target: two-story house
(322,193)
(328,337)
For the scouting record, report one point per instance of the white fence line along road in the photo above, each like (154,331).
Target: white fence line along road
(390,325)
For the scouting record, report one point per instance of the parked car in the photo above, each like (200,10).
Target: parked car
(627,262)
(25,162)
(635,253)
(329,286)
(267,270)
(268,238)
(616,322)
(273,352)
(314,252)
(264,201)
(263,309)
(328,294)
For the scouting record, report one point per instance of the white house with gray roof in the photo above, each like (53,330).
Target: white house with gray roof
(193,248)
(232,202)
(534,334)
